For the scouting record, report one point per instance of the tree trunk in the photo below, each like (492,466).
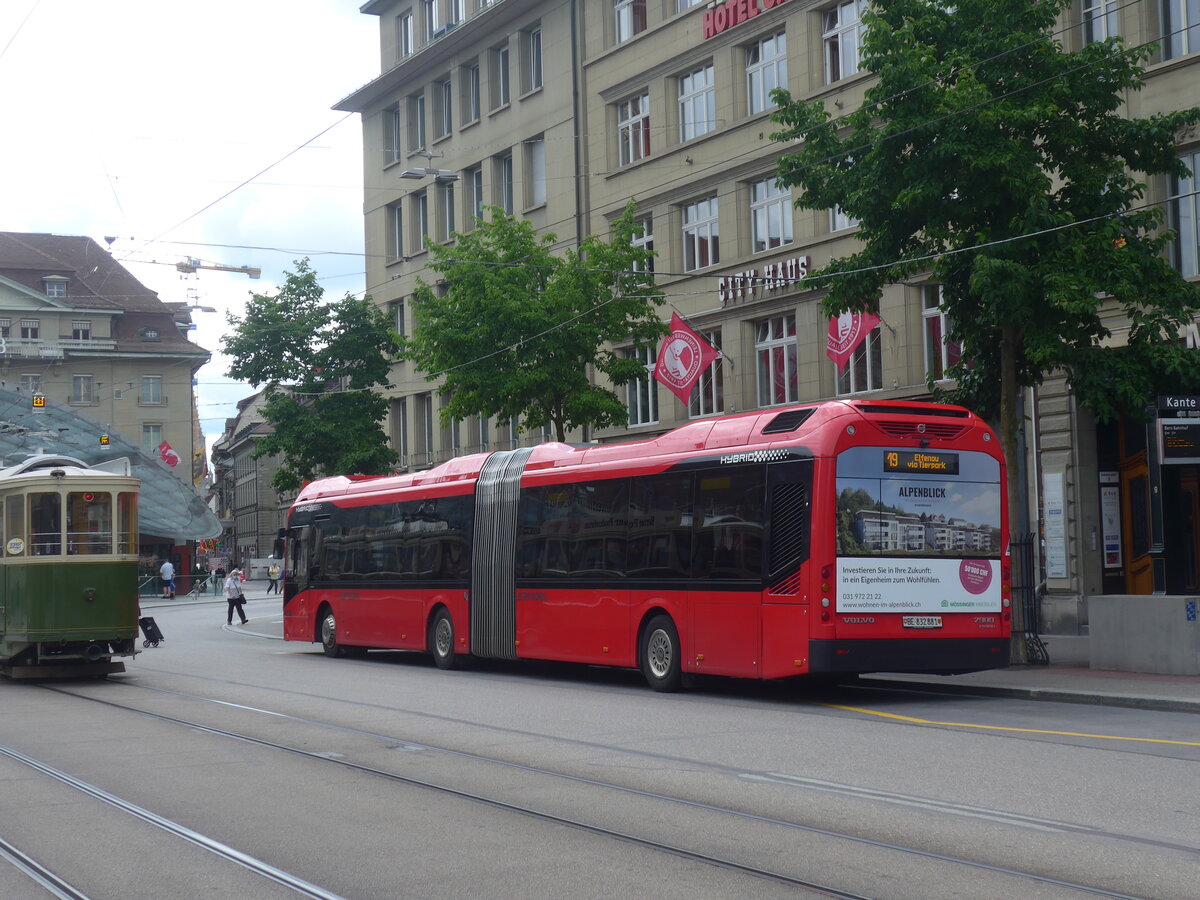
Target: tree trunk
(1009,423)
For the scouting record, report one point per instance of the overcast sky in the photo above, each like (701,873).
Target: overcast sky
(128,118)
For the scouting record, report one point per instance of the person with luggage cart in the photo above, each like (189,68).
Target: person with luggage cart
(235,596)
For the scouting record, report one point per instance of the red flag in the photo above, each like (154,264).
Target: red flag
(846,332)
(682,358)
(169,456)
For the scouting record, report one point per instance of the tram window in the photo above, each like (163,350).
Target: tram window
(127,532)
(14,526)
(89,522)
(45,524)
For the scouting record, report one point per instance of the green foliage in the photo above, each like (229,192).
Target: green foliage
(991,159)
(320,362)
(519,326)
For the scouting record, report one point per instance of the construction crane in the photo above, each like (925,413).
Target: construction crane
(190,264)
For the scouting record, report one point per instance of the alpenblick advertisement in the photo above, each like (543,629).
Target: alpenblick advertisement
(912,540)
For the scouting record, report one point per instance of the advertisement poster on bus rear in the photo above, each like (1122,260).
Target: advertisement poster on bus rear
(918,532)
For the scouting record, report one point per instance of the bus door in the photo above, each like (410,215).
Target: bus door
(725,600)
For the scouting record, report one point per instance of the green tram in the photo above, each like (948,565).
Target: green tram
(68,571)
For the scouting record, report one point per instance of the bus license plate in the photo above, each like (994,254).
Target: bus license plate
(922,621)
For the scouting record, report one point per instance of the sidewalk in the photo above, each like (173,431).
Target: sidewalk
(1067,679)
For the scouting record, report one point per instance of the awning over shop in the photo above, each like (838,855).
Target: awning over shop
(168,508)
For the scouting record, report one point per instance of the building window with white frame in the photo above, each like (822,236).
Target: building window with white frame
(644,238)
(152,390)
(697,103)
(535,164)
(429,12)
(504,182)
(633,129)
(770,215)
(482,432)
(444,96)
(475,198)
(531,59)
(940,352)
(395,232)
(31,383)
(398,323)
(471,101)
(766,69)
(416,122)
(83,388)
(5,328)
(81,330)
(55,286)
(446,210)
(400,429)
(458,11)
(840,221)
(152,436)
(420,219)
(708,396)
(1183,214)
(501,90)
(841,39)
(31,329)
(775,356)
(701,234)
(426,413)
(641,393)
(864,371)
(631,18)
(1100,20)
(681,5)
(404,34)
(393,134)
(1181,33)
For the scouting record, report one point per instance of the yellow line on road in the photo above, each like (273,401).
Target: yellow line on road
(1078,734)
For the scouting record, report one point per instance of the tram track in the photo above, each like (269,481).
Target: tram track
(47,879)
(652,844)
(41,875)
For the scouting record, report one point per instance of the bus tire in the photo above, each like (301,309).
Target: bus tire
(441,640)
(329,635)
(660,656)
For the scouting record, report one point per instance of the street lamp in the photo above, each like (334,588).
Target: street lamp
(441,176)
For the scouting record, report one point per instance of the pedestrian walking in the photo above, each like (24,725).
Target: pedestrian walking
(167,573)
(273,572)
(235,596)
(219,579)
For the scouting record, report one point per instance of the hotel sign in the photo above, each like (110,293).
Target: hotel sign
(753,283)
(735,12)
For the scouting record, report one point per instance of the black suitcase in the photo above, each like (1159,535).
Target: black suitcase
(150,632)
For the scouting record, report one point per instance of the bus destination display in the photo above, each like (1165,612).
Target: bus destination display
(920,461)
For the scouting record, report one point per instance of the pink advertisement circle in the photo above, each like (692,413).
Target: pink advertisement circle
(975,575)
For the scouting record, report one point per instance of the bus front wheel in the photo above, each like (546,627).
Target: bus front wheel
(660,655)
(441,640)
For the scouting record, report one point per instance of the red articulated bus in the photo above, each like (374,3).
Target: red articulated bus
(840,537)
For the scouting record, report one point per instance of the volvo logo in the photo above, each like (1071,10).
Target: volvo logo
(858,620)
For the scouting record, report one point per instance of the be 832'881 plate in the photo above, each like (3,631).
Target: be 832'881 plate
(921,621)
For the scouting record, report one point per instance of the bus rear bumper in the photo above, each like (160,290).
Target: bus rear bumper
(935,656)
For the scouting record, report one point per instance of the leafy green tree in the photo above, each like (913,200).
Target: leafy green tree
(320,362)
(519,326)
(999,165)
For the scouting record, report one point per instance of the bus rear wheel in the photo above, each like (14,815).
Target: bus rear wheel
(329,635)
(441,640)
(660,655)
